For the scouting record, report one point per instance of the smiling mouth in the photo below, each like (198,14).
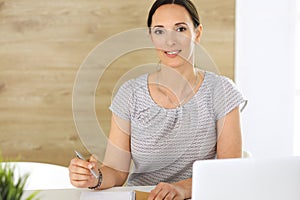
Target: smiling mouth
(175,52)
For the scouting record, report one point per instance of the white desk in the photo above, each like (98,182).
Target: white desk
(74,194)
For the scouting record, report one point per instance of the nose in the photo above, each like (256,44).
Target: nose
(171,38)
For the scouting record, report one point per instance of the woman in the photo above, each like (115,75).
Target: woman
(167,119)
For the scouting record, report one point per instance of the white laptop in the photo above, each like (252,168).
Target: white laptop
(247,179)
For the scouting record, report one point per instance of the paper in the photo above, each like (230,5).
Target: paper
(96,195)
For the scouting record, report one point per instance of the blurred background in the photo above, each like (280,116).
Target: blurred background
(43,44)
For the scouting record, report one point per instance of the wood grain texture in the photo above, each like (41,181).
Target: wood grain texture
(43,44)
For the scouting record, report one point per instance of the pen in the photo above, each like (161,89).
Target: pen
(82,158)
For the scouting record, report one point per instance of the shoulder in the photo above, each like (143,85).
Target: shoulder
(133,84)
(123,100)
(218,82)
(225,94)
(213,77)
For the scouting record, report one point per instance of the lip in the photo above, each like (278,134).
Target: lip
(172,53)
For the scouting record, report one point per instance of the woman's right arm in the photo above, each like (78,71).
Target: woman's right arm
(116,165)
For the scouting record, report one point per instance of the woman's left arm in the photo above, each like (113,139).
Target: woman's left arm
(229,143)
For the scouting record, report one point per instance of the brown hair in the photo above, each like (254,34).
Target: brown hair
(187,4)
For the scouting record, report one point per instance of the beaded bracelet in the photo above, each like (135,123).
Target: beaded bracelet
(99,181)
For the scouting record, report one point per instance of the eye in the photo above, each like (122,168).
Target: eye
(158,31)
(181,29)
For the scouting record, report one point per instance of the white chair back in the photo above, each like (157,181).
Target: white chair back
(42,176)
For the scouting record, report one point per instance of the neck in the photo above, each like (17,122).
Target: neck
(181,82)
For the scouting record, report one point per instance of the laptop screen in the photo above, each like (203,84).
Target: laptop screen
(247,179)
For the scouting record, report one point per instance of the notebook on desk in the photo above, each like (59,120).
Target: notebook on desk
(247,179)
(116,195)
(95,195)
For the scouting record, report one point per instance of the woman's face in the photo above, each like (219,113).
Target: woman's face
(174,35)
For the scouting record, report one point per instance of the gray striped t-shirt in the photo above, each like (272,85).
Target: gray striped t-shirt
(165,142)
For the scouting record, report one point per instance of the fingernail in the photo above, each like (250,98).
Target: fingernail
(90,166)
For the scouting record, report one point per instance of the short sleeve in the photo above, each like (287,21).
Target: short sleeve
(121,102)
(226,97)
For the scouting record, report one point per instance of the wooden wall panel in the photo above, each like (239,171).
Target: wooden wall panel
(42,45)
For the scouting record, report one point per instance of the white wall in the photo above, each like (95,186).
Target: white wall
(297,79)
(265,60)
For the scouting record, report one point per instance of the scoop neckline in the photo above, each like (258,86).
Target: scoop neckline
(183,105)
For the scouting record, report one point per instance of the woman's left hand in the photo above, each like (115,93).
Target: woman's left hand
(167,191)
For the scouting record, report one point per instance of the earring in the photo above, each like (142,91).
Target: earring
(158,67)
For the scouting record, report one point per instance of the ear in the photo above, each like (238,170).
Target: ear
(198,31)
(150,35)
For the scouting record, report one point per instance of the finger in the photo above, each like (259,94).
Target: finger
(80,184)
(154,193)
(93,163)
(79,180)
(92,159)
(79,163)
(79,173)
(80,177)
(74,169)
(161,194)
(177,198)
(170,196)
(79,170)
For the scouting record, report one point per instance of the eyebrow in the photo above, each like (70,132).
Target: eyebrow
(181,23)
(177,24)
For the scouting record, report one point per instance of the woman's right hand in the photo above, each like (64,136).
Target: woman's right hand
(79,172)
